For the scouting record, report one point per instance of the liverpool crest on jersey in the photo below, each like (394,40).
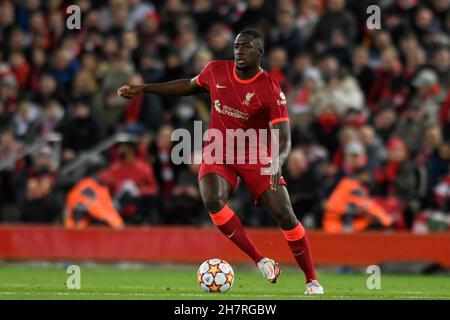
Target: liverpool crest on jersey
(248,98)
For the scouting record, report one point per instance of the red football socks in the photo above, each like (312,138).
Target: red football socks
(230,225)
(299,245)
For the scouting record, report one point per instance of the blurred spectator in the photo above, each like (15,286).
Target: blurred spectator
(117,73)
(38,66)
(305,187)
(90,201)
(398,178)
(219,40)
(48,89)
(411,127)
(256,14)
(164,168)
(385,122)
(185,205)
(9,92)
(64,66)
(188,45)
(445,117)
(442,195)
(287,35)
(429,94)
(376,152)
(308,16)
(139,10)
(146,110)
(424,24)
(204,13)
(8,144)
(360,68)
(277,67)
(350,206)
(52,116)
(433,156)
(84,87)
(303,97)
(354,118)
(9,148)
(441,63)
(133,184)
(338,158)
(326,126)
(301,62)
(80,132)
(38,200)
(381,40)
(336,18)
(20,68)
(26,121)
(388,81)
(5,117)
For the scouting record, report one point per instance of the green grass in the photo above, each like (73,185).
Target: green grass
(173,282)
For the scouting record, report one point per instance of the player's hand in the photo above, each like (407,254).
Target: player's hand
(274,179)
(130,91)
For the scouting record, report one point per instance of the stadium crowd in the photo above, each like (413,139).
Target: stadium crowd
(369,109)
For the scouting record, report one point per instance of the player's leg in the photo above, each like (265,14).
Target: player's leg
(215,191)
(278,203)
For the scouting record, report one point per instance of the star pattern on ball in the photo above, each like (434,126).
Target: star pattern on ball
(214,288)
(230,278)
(214,269)
(199,277)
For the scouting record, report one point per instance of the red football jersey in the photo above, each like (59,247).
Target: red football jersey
(249,105)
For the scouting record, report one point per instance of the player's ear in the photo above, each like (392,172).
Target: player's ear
(261,51)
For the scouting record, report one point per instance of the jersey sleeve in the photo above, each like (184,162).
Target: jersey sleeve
(203,79)
(277,104)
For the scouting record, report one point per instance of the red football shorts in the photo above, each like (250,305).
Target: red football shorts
(250,175)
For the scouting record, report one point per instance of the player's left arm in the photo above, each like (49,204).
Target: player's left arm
(284,136)
(279,120)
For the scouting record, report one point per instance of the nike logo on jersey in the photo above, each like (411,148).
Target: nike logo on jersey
(218,86)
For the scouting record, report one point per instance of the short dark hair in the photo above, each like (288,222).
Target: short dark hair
(254,33)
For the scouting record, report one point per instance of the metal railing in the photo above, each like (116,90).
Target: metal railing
(31,149)
(85,157)
(92,154)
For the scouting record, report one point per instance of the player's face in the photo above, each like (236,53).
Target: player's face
(247,51)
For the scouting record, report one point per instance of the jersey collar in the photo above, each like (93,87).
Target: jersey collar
(252,79)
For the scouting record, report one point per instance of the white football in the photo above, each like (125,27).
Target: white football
(215,275)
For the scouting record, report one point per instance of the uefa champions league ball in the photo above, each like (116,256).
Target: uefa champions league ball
(215,275)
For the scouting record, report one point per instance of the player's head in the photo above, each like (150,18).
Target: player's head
(248,49)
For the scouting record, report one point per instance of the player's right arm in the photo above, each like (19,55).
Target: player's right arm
(182,87)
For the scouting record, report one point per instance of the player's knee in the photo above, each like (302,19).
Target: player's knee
(285,217)
(288,222)
(214,203)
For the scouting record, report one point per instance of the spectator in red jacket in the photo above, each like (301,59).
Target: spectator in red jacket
(398,178)
(133,184)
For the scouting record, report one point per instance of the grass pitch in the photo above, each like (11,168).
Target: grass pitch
(179,282)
